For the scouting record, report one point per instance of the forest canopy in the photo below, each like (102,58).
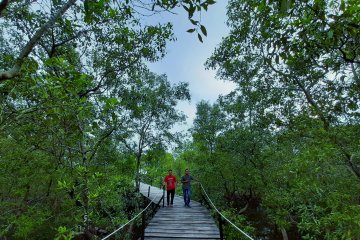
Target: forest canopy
(83,120)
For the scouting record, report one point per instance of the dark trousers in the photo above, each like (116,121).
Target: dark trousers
(168,193)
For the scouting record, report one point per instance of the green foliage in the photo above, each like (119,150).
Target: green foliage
(292,120)
(85,116)
(64,234)
(61,169)
(26,227)
(147,112)
(60,119)
(239,221)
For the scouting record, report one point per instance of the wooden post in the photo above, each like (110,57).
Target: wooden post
(220,227)
(163,196)
(143,224)
(149,192)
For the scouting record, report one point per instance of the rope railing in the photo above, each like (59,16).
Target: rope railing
(121,227)
(213,205)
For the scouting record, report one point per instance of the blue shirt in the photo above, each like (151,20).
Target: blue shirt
(187,178)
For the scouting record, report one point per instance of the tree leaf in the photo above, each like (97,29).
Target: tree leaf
(186,8)
(204,6)
(203,30)
(194,22)
(210,2)
(200,38)
(330,34)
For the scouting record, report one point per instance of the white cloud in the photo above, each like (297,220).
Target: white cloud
(206,87)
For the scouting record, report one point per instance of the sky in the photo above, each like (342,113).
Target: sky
(186,57)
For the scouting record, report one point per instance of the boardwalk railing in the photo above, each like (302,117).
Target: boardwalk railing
(221,217)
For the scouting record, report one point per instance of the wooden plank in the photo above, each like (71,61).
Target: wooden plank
(203,231)
(175,226)
(171,238)
(183,226)
(183,234)
(210,230)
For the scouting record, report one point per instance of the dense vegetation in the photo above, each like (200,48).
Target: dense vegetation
(82,118)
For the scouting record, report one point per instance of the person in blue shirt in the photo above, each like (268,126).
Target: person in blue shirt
(186,180)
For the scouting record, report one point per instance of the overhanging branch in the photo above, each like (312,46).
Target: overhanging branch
(15,70)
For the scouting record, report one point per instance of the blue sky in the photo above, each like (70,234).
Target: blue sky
(185,57)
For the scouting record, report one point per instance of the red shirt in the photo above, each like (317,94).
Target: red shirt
(170,181)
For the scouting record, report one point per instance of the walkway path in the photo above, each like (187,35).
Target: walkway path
(179,222)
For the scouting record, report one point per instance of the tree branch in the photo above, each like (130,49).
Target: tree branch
(15,70)
(346,59)
(87,91)
(105,136)
(355,169)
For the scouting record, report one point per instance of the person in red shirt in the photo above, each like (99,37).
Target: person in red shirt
(170,182)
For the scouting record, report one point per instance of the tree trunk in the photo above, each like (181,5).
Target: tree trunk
(284,234)
(49,187)
(137,177)
(243,209)
(86,202)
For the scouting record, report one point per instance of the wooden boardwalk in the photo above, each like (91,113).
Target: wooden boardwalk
(179,222)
